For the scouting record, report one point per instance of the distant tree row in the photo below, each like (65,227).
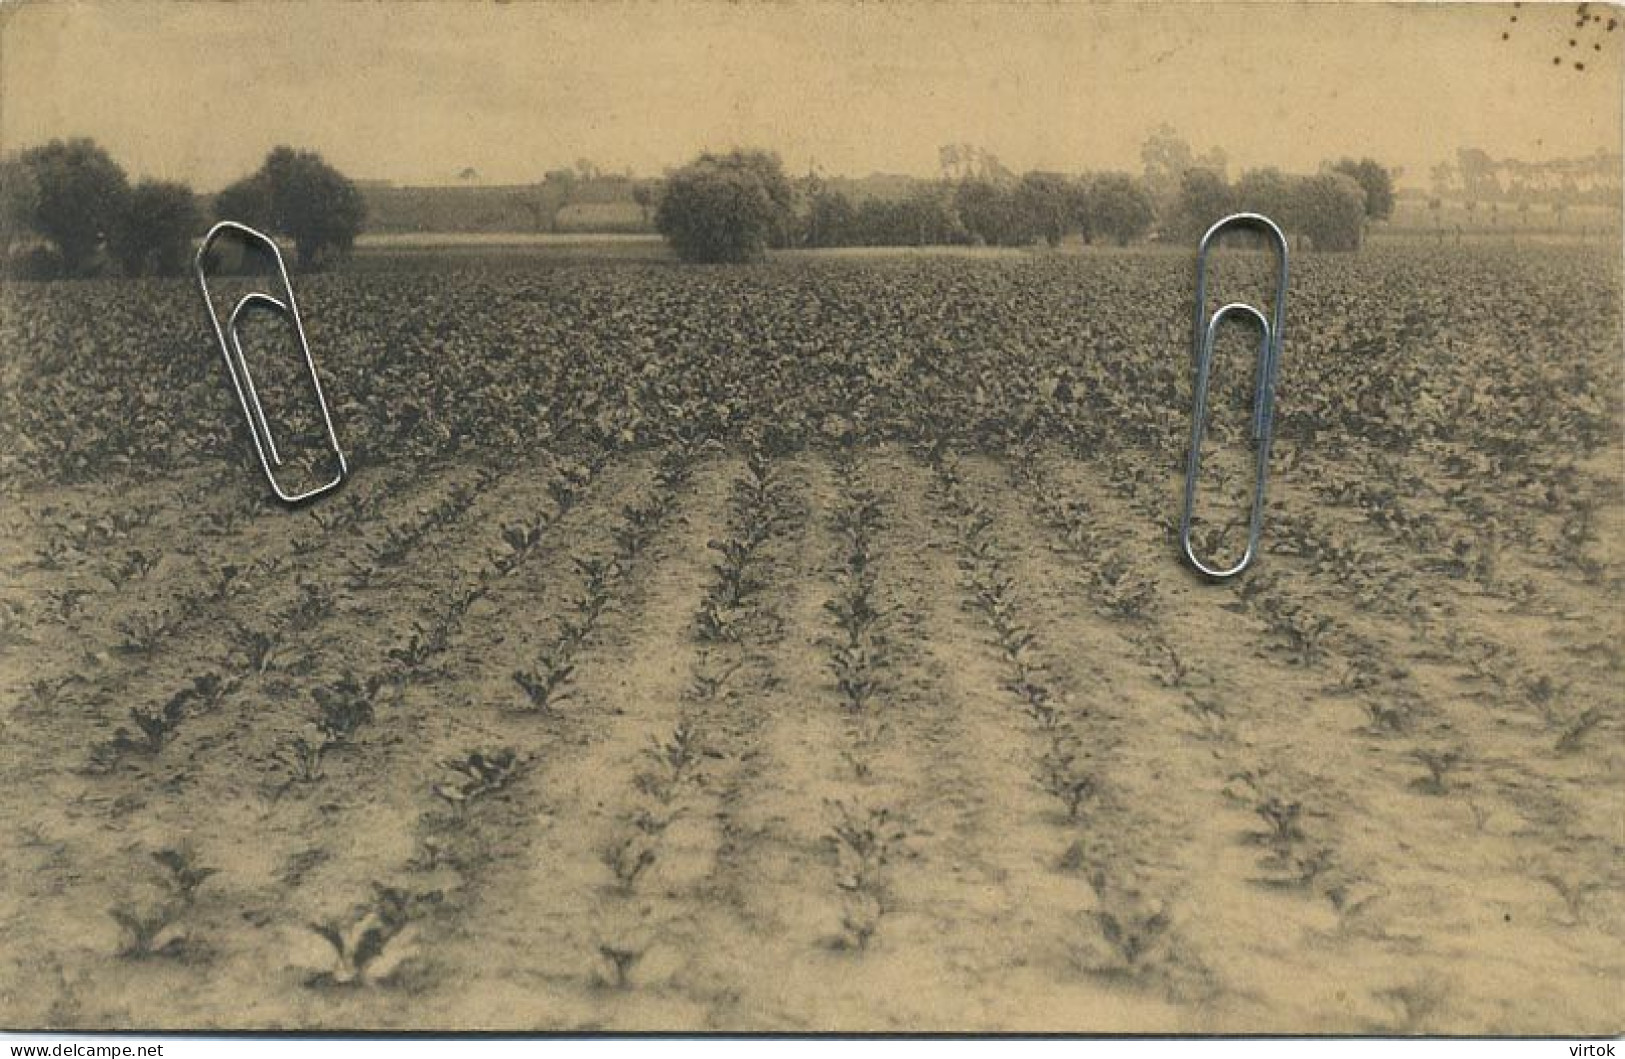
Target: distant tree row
(1477,177)
(74,203)
(1330,209)
(297,194)
(734,207)
(76,211)
(1039,206)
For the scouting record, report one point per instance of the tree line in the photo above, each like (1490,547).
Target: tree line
(74,211)
(735,206)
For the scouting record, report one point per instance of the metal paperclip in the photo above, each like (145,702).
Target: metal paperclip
(242,380)
(1269,356)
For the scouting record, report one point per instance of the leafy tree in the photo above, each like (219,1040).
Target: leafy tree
(1331,211)
(993,213)
(297,194)
(931,212)
(1478,172)
(925,217)
(885,222)
(1044,202)
(977,202)
(1120,207)
(1204,198)
(1377,182)
(248,201)
(1080,210)
(155,228)
(1270,192)
(831,220)
(1167,157)
(19,199)
(79,195)
(727,207)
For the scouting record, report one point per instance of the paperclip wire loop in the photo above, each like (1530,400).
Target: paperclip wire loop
(1269,355)
(242,380)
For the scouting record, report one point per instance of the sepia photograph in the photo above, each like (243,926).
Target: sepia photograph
(812,517)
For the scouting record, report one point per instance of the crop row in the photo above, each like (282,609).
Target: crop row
(1293,858)
(864,834)
(364,942)
(681,769)
(1134,923)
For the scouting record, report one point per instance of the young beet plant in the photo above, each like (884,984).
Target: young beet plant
(855,676)
(597,576)
(373,945)
(394,548)
(136,566)
(154,726)
(621,960)
(142,634)
(1063,776)
(1579,728)
(520,540)
(55,554)
(343,707)
(1439,764)
(710,678)
(228,583)
(149,931)
(477,774)
(640,520)
(66,604)
(1137,932)
(1389,715)
(154,929)
(718,622)
(182,872)
(1124,593)
(45,693)
(725,604)
(627,859)
(302,758)
(314,605)
(863,842)
(673,761)
(260,649)
(422,644)
(548,683)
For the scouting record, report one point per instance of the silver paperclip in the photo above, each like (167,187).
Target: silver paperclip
(1269,356)
(242,380)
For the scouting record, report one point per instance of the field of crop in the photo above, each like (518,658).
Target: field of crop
(806,647)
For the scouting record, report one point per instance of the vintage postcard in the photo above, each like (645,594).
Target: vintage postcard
(680,515)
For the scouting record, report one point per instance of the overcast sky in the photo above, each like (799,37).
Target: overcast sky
(416,92)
